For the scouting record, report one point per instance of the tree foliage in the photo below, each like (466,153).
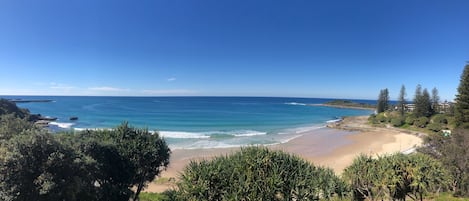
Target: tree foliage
(453,152)
(423,105)
(37,167)
(402,101)
(395,177)
(92,165)
(256,173)
(461,110)
(8,107)
(383,101)
(10,126)
(435,100)
(125,157)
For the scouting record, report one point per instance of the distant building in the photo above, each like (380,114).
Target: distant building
(409,107)
(443,107)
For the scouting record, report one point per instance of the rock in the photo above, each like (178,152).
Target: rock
(73,118)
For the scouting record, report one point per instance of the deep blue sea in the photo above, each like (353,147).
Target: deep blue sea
(195,122)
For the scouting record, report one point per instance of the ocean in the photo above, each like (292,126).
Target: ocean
(195,122)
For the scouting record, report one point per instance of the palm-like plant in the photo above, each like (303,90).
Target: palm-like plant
(257,173)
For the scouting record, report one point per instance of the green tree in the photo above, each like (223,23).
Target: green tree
(256,173)
(383,101)
(10,126)
(401,100)
(435,100)
(461,110)
(362,176)
(37,167)
(147,153)
(423,105)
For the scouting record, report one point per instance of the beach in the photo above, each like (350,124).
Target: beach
(330,147)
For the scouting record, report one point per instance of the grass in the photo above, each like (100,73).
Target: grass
(151,196)
(447,197)
(164,180)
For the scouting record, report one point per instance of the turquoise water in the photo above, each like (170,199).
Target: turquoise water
(196,122)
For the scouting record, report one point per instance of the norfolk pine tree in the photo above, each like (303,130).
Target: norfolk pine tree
(383,101)
(461,112)
(423,105)
(402,100)
(435,100)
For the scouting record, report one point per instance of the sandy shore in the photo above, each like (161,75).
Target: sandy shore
(350,138)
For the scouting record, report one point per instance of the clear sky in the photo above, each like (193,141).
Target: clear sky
(299,48)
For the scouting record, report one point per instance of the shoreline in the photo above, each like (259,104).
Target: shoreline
(353,137)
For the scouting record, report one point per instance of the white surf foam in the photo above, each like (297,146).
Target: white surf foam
(248,133)
(180,134)
(92,129)
(300,130)
(237,133)
(295,103)
(334,121)
(62,124)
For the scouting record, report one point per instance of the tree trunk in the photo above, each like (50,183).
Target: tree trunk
(139,189)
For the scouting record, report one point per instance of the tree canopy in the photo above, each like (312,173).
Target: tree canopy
(461,111)
(383,101)
(402,100)
(423,104)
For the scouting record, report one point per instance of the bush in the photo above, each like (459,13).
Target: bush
(381,117)
(397,122)
(396,176)
(410,119)
(256,173)
(440,119)
(452,152)
(421,122)
(372,119)
(435,127)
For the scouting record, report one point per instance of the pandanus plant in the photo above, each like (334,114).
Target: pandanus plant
(257,173)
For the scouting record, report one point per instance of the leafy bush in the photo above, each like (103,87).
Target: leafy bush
(90,165)
(410,119)
(440,119)
(421,122)
(397,122)
(8,107)
(396,176)
(256,173)
(381,117)
(452,151)
(435,127)
(372,119)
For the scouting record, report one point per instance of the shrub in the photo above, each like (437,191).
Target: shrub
(381,117)
(435,127)
(396,176)
(256,173)
(372,119)
(397,122)
(440,119)
(410,119)
(421,122)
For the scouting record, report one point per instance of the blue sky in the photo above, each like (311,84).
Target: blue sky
(304,48)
